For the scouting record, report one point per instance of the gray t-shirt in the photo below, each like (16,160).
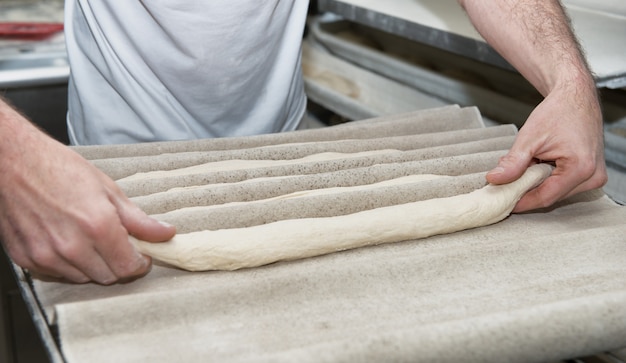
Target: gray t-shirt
(181,69)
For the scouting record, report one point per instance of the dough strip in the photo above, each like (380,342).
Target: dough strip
(231,249)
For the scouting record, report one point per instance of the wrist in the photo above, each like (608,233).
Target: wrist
(578,75)
(574,83)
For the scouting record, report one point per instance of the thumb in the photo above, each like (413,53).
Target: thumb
(142,226)
(510,167)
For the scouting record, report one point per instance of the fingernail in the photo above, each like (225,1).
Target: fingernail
(108,280)
(144,262)
(165,224)
(497,170)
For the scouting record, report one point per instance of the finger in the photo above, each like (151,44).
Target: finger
(47,262)
(544,195)
(140,225)
(120,256)
(510,167)
(95,267)
(101,250)
(597,180)
(40,258)
(113,257)
(567,180)
(63,271)
(84,257)
(554,188)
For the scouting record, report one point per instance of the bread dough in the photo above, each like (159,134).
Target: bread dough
(312,192)
(316,202)
(231,249)
(237,164)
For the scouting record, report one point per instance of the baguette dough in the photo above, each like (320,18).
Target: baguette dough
(312,192)
(231,249)
(227,165)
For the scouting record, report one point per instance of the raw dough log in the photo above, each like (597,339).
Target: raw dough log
(319,203)
(262,188)
(118,168)
(231,249)
(154,182)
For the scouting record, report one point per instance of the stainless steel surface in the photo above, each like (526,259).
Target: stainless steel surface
(354,92)
(20,340)
(503,96)
(26,63)
(601,30)
(44,330)
(33,69)
(416,30)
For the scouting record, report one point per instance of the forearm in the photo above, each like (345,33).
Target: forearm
(16,133)
(19,149)
(10,126)
(566,127)
(535,37)
(62,217)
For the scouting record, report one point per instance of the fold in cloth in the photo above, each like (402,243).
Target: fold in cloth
(447,118)
(538,286)
(535,287)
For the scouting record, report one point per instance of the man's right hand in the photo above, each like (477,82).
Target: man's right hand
(62,217)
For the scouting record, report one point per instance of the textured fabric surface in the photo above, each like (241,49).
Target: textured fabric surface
(538,286)
(426,121)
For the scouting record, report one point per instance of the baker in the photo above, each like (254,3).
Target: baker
(173,70)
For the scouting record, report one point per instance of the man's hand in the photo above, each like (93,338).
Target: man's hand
(566,129)
(62,217)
